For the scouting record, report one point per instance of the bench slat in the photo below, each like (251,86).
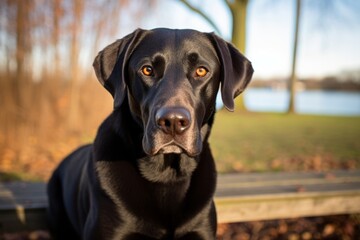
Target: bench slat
(291,205)
(239,197)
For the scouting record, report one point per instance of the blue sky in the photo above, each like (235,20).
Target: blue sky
(329,37)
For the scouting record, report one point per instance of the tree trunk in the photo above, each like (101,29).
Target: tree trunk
(21,80)
(292,83)
(74,65)
(21,16)
(57,12)
(238,11)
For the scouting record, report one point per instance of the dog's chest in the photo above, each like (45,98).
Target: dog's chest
(127,189)
(170,198)
(132,204)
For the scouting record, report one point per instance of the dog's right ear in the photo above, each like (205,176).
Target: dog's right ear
(110,65)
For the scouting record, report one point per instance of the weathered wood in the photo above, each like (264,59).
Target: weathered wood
(22,206)
(278,206)
(264,196)
(239,197)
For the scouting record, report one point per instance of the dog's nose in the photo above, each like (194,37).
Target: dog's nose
(173,120)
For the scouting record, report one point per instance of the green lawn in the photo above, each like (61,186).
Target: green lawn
(279,142)
(257,142)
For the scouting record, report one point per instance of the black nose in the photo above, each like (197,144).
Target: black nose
(173,120)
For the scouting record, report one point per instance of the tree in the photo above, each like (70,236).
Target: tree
(238,10)
(329,8)
(292,83)
(22,50)
(55,35)
(76,29)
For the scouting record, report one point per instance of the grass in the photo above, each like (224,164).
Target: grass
(12,176)
(246,142)
(278,142)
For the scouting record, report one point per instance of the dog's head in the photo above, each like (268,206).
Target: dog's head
(171,79)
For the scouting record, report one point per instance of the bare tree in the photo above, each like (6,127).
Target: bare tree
(327,10)
(22,49)
(292,83)
(238,10)
(47,39)
(57,13)
(77,12)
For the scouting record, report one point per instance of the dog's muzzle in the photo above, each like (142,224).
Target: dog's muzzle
(173,120)
(172,130)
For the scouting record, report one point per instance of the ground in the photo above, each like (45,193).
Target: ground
(341,227)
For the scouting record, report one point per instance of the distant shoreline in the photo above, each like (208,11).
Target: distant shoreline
(327,83)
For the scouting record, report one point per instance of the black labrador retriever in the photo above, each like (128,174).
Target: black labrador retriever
(150,173)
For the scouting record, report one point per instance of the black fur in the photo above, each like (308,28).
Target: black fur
(150,173)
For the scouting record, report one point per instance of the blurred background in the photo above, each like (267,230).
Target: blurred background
(300,113)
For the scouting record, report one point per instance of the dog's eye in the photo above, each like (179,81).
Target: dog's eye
(147,70)
(201,72)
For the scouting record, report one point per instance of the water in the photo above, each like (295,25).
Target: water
(306,102)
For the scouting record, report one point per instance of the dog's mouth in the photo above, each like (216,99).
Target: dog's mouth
(171,147)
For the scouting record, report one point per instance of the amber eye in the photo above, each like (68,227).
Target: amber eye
(147,70)
(201,72)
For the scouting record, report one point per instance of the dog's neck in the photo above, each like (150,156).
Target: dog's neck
(125,144)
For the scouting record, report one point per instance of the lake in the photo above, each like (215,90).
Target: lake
(306,102)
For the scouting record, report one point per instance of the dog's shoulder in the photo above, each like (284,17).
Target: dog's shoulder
(77,157)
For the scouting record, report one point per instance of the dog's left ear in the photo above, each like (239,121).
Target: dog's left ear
(110,65)
(236,71)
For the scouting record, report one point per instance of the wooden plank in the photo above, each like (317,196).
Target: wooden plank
(23,219)
(239,197)
(286,178)
(248,197)
(24,194)
(22,206)
(291,205)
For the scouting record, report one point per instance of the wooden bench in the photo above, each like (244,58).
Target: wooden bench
(239,197)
